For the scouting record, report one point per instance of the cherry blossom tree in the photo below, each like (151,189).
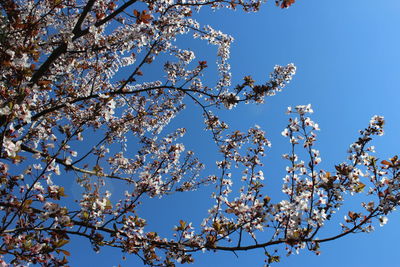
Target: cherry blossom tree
(64,82)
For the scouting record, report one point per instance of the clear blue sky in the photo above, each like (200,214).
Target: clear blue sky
(347,57)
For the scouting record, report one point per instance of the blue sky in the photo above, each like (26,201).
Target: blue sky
(347,57)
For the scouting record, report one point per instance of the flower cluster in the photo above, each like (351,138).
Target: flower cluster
(77,100)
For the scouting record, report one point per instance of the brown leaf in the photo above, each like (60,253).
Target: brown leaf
(65,252)
(353,215)
(385,162)
(43,82)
